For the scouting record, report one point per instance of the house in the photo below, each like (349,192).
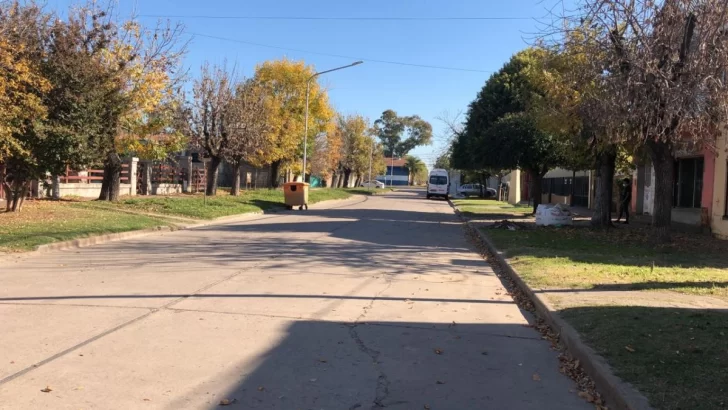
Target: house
(695,178)
(559,186)
(397,172)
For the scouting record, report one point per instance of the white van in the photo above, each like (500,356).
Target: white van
(438,184)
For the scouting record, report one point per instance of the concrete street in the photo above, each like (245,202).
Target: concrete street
(369,303)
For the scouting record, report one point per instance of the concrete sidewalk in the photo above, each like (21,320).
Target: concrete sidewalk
(357,305)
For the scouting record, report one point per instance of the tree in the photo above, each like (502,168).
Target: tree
(356,147)
(326,153)
(247,129)
(500,130)
(285,81)
(390,128)
(415,167)
(142,63)
(21,91)
(213,94)
(664,65)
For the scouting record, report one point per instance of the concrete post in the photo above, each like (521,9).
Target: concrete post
(185,163)
(133,161)
(514,189)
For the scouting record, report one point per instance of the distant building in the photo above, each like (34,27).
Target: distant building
(397,173)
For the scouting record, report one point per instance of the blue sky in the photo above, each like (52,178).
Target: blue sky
(373,87)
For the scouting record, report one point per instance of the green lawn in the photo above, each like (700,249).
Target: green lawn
(491,208)
(581,258)
(676,357)
(195,206)
(43,222)
(680,357)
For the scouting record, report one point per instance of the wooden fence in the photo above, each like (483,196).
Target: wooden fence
(91,175)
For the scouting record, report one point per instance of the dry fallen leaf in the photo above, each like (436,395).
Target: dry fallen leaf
(630,349)
(536,377)
(439,351)
(586,396)
(227,402)
(47,389)
(439,382)
(147,400)
(427,407)
(322,361)
(261,388)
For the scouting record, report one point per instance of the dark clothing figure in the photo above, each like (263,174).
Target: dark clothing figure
(625,198)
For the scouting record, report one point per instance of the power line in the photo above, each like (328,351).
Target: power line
(342,18)
(370,60)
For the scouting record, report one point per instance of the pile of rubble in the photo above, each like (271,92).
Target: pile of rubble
(508,225)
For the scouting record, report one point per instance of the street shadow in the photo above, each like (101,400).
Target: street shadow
(676,357)
(265,205)
(649,285)
(397,365)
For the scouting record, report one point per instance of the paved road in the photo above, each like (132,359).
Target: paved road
(363,304)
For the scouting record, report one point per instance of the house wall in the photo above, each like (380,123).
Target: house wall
(400,177)
(688,216)
(718,218)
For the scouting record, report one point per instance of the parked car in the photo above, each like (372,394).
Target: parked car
(474,190)
(372,184)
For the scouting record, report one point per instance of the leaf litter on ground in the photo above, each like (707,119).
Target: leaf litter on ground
(568,365)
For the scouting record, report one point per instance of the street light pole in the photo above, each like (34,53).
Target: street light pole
(371,156)
(308,91)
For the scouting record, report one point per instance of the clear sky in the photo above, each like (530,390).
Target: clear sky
(368,89)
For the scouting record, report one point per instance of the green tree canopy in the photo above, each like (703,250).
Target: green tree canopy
(390,128)
(500,129)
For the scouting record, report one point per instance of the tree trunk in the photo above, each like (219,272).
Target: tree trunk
(235,190)
(335,180)
(606,162)
(664,163)
(111,182)
(56,188)
(212,168)
(536,188)
(15,193)
(275,167)
(347,174)
(8,196)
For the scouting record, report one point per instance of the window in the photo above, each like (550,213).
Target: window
(688,190)
(438,180)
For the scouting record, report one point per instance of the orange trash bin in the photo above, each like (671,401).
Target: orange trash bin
(295,194)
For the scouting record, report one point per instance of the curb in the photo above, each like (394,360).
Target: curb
(617,393)
(98,239)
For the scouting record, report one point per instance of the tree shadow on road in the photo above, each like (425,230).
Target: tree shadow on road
(400,365)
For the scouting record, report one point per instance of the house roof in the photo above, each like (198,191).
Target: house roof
(397,162)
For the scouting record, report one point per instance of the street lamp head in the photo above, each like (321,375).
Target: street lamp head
(357,63)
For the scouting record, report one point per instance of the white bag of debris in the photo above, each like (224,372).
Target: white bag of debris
(554,215)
